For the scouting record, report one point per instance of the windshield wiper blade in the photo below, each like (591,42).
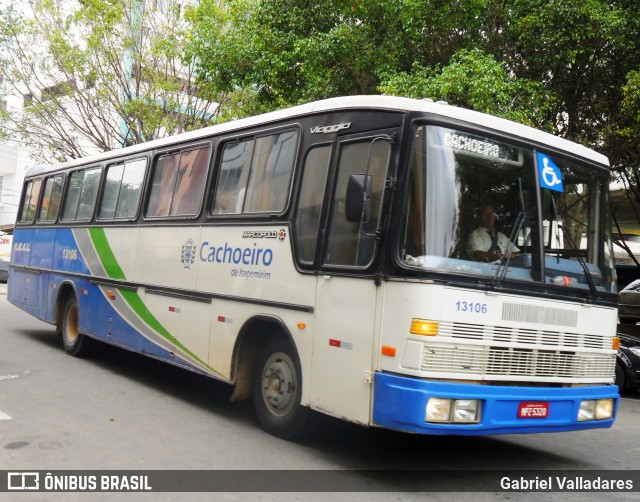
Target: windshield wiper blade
(574,248)
(503,266)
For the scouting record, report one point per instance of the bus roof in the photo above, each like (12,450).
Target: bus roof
(390,103)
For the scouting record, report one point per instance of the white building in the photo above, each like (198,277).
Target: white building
(14,162)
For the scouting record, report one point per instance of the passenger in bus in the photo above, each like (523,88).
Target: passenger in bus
(486,243)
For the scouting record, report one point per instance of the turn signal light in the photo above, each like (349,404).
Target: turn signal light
(423,327)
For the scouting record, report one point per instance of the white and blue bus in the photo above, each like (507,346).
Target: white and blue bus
(317,258)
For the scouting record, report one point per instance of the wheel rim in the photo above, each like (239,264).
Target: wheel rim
(279,384)
(71,324)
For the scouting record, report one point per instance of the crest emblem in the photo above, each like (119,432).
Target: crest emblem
(188,255)
(282,234)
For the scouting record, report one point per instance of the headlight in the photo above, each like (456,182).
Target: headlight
(438,410)
(460,411)
(601,409)
(465,410)
(604,409)
(587,411)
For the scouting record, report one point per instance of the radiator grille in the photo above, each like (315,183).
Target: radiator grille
(516,362)
(501,352)
(524,336)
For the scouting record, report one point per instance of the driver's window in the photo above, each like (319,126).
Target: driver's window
(351,243)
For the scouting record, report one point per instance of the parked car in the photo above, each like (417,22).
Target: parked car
(6,242)
(628,358)
(629,307)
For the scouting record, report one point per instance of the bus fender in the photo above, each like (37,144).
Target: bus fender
(247,347)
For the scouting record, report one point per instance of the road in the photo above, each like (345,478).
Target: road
(118,410)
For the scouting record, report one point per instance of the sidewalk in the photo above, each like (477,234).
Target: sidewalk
(3,288)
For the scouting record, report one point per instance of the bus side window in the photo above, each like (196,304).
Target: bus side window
(192,174)
(81,195)
(122,190)
(271,171)
(255,175)
(163,185)
(312,190)
(30,201)
(50,204)
(232,177)
(90,185)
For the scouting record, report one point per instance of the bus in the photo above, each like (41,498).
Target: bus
(316,258)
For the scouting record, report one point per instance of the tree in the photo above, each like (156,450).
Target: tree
(277,53)
(97,74)
(476,80)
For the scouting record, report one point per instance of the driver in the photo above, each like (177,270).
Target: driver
(486,243)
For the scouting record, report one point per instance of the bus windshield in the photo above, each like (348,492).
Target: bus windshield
(476,206)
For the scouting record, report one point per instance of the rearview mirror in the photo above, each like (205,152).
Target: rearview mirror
(358,198)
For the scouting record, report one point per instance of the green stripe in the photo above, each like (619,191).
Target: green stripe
(114,271)
(107,258)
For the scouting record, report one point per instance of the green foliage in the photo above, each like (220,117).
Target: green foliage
(474,80)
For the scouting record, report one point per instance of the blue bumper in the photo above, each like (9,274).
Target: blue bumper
(400,403)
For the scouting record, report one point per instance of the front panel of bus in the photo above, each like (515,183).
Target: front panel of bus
(520,339)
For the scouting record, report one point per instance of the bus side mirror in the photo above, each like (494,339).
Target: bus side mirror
(358,198)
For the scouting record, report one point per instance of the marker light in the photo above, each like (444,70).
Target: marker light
(424,327)
(615,343)
(388,351)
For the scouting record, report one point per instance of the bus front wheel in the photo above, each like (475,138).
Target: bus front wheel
(74,343)
(277,390)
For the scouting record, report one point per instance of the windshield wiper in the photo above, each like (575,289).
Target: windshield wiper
(574,248)
(503,266)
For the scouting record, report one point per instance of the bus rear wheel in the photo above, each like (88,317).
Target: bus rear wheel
(277,390)
(74,343)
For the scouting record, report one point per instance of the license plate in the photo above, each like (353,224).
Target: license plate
(533,410)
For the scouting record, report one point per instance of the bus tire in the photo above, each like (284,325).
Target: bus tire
(75,344)
(277,389)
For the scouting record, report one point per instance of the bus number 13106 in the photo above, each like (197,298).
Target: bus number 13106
(478,308)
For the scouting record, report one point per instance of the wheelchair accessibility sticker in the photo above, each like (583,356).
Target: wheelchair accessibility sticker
(550,174)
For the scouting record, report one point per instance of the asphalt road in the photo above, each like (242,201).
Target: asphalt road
(118,410)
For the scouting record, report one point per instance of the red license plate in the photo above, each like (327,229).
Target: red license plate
(533,410)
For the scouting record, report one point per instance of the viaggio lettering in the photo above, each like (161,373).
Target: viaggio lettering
(253,255)
(330,128)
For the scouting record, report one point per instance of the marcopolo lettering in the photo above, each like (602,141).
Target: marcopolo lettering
(252,255)
(259,234)
(330,128)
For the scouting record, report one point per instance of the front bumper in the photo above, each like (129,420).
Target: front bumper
(400,403)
